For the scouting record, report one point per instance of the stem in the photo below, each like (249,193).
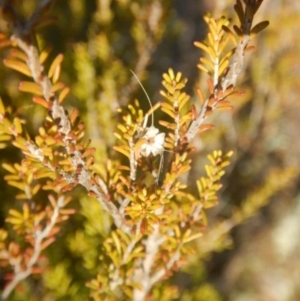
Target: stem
(23,39)
(20,274)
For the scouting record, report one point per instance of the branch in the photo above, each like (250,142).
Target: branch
(19,273)
(158,275)
(143,273)
(23,40)
(234,69)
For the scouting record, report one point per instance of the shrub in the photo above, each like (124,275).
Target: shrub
(134,217)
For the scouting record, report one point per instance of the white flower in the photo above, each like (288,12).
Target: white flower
(153,142)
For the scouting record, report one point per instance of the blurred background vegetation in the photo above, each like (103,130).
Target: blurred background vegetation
(252,247)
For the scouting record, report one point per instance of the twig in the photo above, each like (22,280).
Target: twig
(230,79)
(19,273)
(58,112)
(143,272)
(158,275)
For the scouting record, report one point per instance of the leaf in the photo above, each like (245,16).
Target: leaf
(56,74)
(2,108)
(224,108)
(18,54)
(227,56)
(210,86)
(207,62)
(57,61)
(5,43)
(74,115)
(14,220)
(222,67)
(44,174)
(202,46)
(52,200)
(122,150)
(168,125)
(5,137)
(230,34)
(65,91)
(171,73)
(249,48)
(20,143)
(45,53)
(16,184)
(167,111)
(30,87)
(201,67)
(18,66)
(167,106)
(229,154)
(192,237)
(239,11)
(183,99)
(88,152)
(178,76)
(212,27)
(200,95)
(36,189)
(205,127)
(68,187)
(210,203)
(144,225)
(117,242)
(18,125)
(50,140)
(9,168)
(122,128)
(47,242)
(42,102)
(123,167)
(258,27)
(238,31)
(57,86)
(15,213)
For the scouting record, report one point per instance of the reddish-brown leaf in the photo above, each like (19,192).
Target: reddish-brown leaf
(42,102)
